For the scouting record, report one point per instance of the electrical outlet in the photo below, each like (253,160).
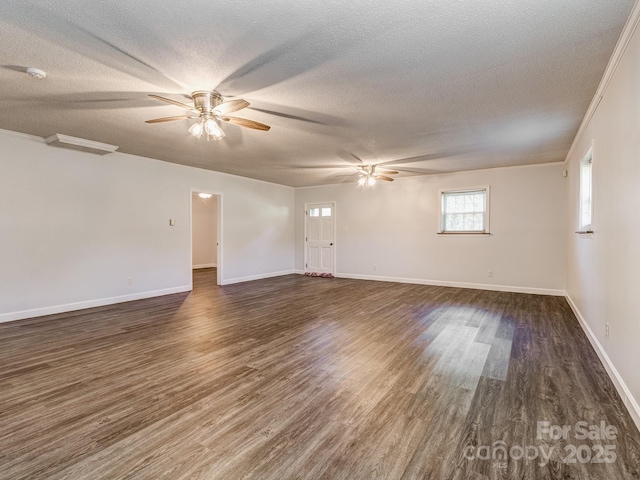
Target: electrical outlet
(375,266)
(490,273)
(129,281)
(607,330)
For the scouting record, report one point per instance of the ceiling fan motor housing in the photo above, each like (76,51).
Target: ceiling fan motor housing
(205,101)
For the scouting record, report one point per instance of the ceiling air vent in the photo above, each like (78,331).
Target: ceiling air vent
(65,141)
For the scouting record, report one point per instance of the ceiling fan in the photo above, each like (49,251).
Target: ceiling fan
(369,175)
(211,108)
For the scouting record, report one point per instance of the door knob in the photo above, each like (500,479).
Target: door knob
(331,244)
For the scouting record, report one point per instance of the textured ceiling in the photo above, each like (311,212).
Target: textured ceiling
(440,85)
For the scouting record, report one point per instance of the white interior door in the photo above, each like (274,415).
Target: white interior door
(319,238)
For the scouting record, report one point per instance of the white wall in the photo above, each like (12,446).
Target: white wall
(74,226)
(394,225)
(603,272)
(204,219)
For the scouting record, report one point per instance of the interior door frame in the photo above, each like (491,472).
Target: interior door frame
(219,224)
(333,236)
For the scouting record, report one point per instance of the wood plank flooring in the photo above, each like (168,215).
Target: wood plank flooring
(299,377)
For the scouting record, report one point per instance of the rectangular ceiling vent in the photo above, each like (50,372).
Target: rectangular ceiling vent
(65,141)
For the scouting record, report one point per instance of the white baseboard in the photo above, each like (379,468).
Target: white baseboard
(440,283)
(624,392)
(205,265)
(260,276)
(69,307)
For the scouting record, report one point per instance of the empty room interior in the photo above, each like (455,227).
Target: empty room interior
(338,240)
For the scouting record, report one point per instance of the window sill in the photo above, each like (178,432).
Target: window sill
(464,233)
(585,234)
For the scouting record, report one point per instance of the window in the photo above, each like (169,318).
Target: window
(464,211)
(320,212)
(586,190)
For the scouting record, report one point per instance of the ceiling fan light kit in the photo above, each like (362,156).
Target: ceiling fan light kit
(196,129)
(367,181)
(369,177)
(211,109)
(208,126)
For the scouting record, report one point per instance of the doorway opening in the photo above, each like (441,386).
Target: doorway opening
(319,238)
(206,232)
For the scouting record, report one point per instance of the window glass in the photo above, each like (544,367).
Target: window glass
(464,211)
(586,189)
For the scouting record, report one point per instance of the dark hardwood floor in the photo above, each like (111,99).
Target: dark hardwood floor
(299,377)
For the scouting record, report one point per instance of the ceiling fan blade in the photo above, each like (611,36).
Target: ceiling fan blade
(382,177)
(388,172)
(173,102)
(230,106)
(170,119)
(243,122)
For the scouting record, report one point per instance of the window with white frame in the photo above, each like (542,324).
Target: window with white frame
(464,211)
(586,193)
